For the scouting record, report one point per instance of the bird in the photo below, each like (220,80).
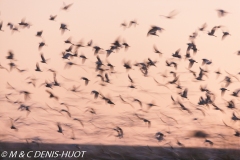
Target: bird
(174,80)
(203,27)
(78,45)
(125,102)
(144,120)
(10,55)
(38,68)
(1,24)
(52,18)
(159,84)
(151,63)
(96,94)
(68,41)
(238,53)
(68,113)
(126,45)
(107,78)
(131,80)
(137,100)
(231,104)
(203,88)
(212,31)
(133,22)
(97,49)
(127,65)
(41,44)
(69,64)
(235,118)
(91,110)
(184,108)
(171,15)
(39,33)
(63,27)
(26,94)
(193,36)
(208,141)
(66,55)
(124,24)
(153,30)
(171,63)
(159,136)
(12,123)
(223,90)
(109,51)
(12,66)
(48,85)
(89,44)
(157,51)
(43,59)
(221,13)
(150,105)
(51,95)
(60,130)
(86,80)
(184,93)
(235,93)
(176,54)
(119,131)
(191,62)
(83,58)
(206,61)
(225,34)
(80,121)
(66,7)
(23,23)
(216,107)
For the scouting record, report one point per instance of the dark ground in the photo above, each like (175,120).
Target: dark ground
(121,152)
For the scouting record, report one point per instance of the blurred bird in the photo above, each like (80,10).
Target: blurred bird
(66,7)
(221,12)
(171,15)
(52,18)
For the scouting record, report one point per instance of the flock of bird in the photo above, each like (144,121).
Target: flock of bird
(105,72)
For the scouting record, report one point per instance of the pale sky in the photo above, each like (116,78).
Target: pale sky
(100,21)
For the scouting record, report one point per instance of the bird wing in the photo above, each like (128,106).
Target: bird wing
(37,66)
(42,57)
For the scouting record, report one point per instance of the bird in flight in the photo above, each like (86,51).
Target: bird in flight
(153,30)
(171,15)
(52,18)
(63,27)
(38,68)
(66,7)
(211,33)
(43,59)
(221,13)
(1,24)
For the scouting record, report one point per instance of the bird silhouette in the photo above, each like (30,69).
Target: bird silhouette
(51,95)
(1,24)
(38,68)
(171,15)
(52,18)
(66,7)
(221,12)
(212,31)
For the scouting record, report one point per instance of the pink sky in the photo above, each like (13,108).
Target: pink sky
(100,21)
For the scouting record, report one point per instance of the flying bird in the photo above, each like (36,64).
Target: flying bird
(171,15)
(221,12)
(66,7)
(52,18)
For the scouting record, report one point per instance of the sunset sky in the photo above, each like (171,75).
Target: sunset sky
(100,21)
